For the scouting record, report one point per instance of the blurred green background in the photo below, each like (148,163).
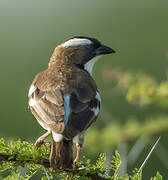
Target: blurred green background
(137,30)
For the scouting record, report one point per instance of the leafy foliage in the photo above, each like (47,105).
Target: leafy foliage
(139,88)
(21,160)
(132,129)
(116,162)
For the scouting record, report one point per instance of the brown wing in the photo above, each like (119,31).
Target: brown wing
(46,103)
(83,102)
(54,112)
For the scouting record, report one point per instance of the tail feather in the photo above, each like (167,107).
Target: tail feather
(61,156)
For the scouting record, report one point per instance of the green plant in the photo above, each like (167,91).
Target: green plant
(22,160)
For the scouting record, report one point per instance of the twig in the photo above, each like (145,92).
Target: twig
(46,173)
(149,154)
(10,157)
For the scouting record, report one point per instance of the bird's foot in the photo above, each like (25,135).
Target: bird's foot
(41,139)
(40,142)
(77,159)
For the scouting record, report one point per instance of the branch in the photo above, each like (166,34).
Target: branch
(11,158)
(45,163)
(20,153)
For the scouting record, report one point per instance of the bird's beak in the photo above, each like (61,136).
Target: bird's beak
(104,50)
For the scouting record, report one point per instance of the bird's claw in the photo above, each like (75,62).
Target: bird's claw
(75,162)
(40,142)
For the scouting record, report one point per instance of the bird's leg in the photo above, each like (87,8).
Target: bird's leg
(79,139)
(78,152)
(40,140)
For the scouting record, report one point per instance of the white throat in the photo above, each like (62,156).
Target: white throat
(89,65)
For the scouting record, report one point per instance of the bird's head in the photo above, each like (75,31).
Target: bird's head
(81,50)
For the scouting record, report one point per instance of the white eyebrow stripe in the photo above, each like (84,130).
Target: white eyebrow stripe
(76,42)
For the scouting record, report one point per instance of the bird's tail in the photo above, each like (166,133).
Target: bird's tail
(61,156)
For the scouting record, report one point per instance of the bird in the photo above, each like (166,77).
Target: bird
(65,99)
